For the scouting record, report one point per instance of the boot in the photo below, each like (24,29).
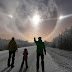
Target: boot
(12,66)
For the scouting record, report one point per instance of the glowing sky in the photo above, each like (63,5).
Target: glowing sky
(26,19)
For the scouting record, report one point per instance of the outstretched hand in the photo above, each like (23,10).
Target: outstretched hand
(34,39)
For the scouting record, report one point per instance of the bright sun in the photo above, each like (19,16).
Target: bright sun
(11,16)
(36,19)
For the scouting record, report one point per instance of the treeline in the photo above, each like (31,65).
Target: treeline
(63,41)
(20,43)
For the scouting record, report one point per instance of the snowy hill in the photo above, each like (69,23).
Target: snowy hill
(54,60)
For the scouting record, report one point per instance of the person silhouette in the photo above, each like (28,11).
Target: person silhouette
(12,47)
(40,50)
(25,57)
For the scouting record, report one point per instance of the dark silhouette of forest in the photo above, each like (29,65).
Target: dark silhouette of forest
(20,43)
(63,41)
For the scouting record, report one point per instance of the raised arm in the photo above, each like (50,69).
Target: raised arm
(34,39)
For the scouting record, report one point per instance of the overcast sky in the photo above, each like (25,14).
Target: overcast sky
(16,18)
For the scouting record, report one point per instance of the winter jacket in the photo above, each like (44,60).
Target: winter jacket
(25,54)
(40,47)
(12,46)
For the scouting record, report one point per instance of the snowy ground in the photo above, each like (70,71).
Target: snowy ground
(62,58)
(55,61)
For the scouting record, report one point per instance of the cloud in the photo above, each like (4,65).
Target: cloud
(21,10)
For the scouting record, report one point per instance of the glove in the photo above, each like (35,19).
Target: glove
(45,52)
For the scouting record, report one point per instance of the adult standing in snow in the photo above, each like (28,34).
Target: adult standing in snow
(12,47)
(40,49)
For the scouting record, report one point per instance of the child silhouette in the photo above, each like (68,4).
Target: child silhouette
(25,57)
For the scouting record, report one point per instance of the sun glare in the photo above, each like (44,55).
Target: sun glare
(66,16)
(11,16)
(61,17)
(36,19)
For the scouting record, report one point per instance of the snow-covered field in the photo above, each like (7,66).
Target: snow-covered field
(55,61)
(62,58)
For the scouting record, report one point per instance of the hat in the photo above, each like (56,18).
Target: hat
(39,38)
